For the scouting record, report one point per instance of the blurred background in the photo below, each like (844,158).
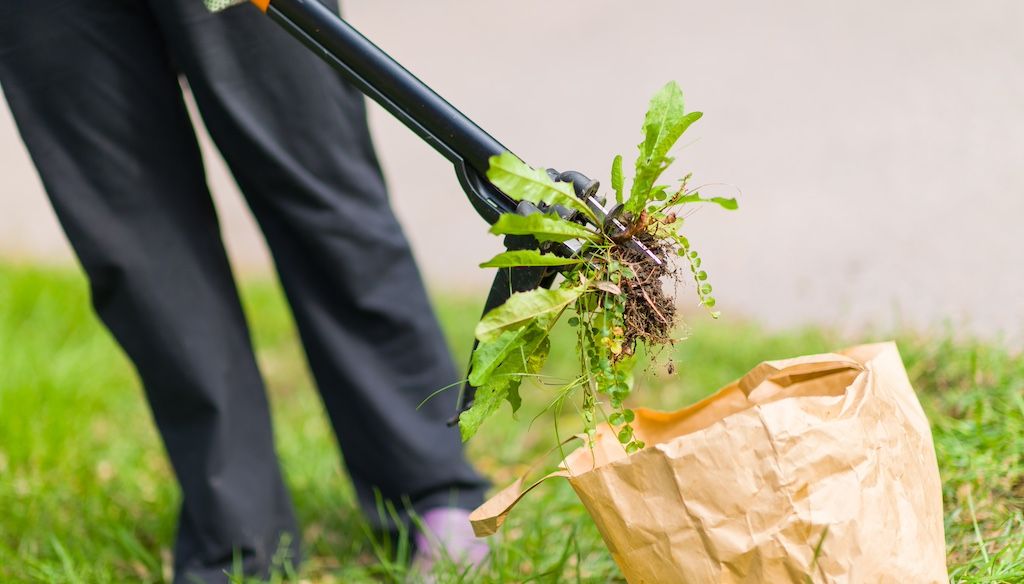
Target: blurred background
(878,146)
(877,149)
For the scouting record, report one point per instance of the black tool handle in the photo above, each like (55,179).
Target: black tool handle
(397,90)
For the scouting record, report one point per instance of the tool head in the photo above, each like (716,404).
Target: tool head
(611,221)
(507,281)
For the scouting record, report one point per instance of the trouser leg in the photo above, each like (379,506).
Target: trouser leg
(100,109)
(295,136)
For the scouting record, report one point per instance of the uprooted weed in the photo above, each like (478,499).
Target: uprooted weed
(613,291)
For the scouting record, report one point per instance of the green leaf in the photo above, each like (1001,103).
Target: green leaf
(529,360)
(489,355)
(527,257)
(487,401)
(538,356)
(543,227)
(625,434)
(523,183)
(665,122)
(529,351)
(523,306)
(664,112)
(724,202)
(617,180)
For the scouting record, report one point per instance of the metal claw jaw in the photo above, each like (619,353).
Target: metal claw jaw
(511,280)
(583,186)
(610,219)
(613,226)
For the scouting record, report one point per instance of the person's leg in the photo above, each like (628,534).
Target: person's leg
(101,111)
(295,136)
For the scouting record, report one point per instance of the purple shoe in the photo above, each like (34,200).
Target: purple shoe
(447,533)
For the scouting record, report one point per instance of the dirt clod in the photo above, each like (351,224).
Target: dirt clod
(650,314)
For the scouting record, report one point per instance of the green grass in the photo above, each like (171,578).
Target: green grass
(86,494)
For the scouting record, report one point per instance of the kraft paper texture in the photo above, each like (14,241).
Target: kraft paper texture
(814,469)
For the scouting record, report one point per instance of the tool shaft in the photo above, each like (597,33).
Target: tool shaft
(385,81)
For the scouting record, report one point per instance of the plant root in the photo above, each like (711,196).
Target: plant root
(650,314)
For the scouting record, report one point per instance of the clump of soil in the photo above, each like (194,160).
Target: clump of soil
(650,314)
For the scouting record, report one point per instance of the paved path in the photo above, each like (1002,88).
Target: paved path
(879,146)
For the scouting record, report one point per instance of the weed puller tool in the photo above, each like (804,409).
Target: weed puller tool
(452,134)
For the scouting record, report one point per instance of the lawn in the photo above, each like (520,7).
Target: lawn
(86,494)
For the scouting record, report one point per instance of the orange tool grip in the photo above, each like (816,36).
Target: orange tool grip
(261,4)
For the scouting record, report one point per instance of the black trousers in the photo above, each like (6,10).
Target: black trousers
(93,86)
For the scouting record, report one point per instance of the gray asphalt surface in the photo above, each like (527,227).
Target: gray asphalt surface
(878,146)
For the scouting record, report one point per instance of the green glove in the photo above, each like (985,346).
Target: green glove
(218,5)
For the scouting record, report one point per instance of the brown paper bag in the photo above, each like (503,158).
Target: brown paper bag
(814,469)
